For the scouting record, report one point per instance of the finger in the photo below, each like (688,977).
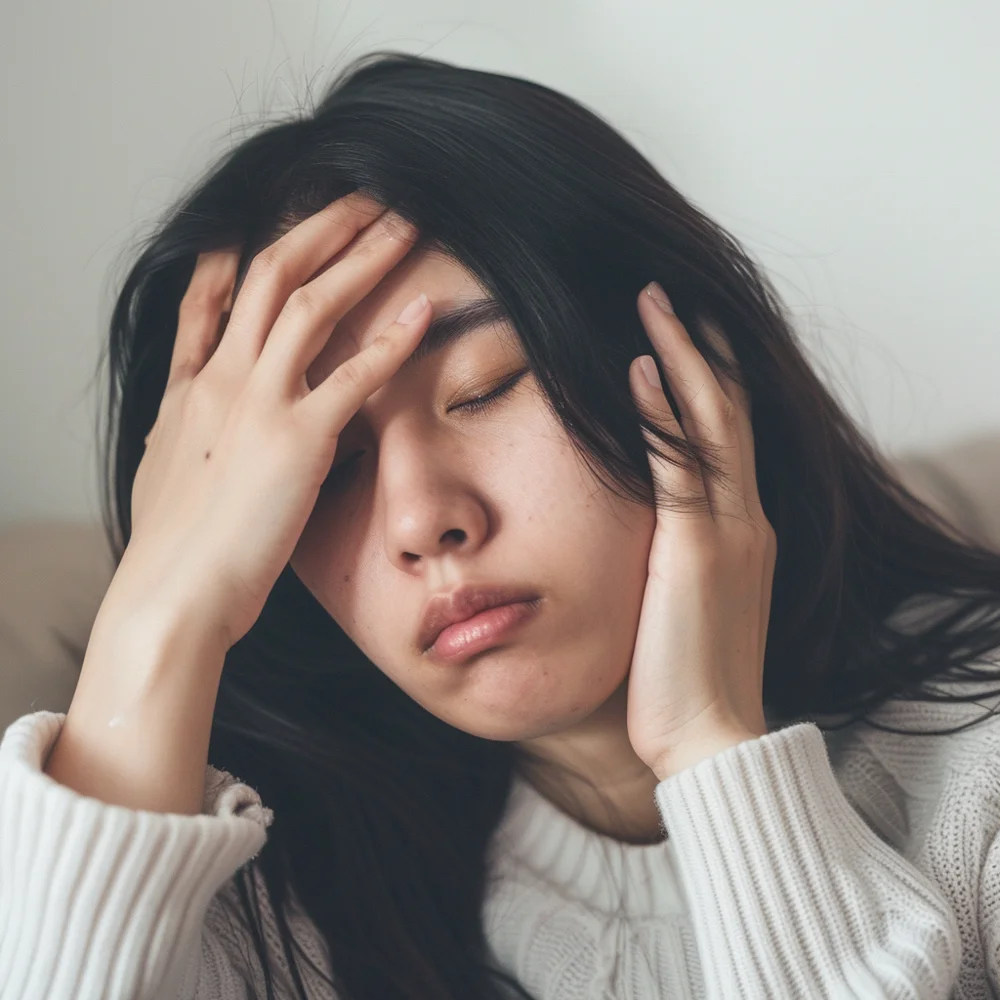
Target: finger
(653,403)
(730,386)
(282,267)
(699,396)
(339,396)
(308,319)
(736,392)
(709,417)
(208,296)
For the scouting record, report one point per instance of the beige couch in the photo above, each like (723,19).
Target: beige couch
(53,574)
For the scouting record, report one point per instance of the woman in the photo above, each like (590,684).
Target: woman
(612,784)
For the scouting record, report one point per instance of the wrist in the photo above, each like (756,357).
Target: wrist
(146,618)
(139,655)
(693,750)
(138,727)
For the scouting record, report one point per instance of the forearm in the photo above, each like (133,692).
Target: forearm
(137,730)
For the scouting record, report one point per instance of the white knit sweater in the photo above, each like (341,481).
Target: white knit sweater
(800,864)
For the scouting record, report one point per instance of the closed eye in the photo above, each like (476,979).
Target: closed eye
(477,405)
(484,402)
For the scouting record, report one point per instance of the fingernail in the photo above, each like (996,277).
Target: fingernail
(648,367)
(413,310)
(659,296)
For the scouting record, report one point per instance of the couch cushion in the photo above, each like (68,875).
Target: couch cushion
(53,575)
(961,480)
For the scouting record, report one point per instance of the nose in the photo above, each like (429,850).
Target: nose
(430,501)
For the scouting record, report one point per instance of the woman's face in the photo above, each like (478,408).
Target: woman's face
(439,499)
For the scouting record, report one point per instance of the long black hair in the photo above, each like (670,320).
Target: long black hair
(384,813)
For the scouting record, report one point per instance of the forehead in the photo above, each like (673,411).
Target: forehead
(446,282)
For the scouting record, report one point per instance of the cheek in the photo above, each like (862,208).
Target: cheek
(340,589)
(332,580)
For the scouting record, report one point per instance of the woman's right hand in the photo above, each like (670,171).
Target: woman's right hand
(241,443)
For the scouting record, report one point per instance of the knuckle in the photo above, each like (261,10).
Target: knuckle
(756,544)
(367,243)
(770,537)
(353,375)
(727,412)
(399,228)
(268,262)
(185,367)
(390,224)
(201,401)
(303,302)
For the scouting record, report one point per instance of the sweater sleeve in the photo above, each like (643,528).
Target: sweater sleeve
(102,901)
(791,894)
(989,910)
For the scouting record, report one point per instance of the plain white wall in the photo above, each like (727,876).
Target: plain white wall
(853,147)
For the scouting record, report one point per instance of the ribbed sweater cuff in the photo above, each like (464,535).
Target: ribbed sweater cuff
(96,897)
(788,888)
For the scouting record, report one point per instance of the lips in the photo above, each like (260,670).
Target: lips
(443,610)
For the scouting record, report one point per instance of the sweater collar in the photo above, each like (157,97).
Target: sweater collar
(538,840)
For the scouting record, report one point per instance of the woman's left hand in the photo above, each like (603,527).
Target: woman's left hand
(695,685)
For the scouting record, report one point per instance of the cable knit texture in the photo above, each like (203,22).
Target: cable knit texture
(854,863)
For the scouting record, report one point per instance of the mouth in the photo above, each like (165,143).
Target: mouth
(473,614)
(463,639)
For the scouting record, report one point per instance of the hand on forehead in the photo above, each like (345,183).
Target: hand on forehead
(444,280)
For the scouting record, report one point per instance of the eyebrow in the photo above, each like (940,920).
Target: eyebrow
(451,326)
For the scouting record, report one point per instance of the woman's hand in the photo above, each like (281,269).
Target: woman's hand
(241,444)
(696,680)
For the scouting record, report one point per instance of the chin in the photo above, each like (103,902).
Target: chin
(511,698)
(523,721)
